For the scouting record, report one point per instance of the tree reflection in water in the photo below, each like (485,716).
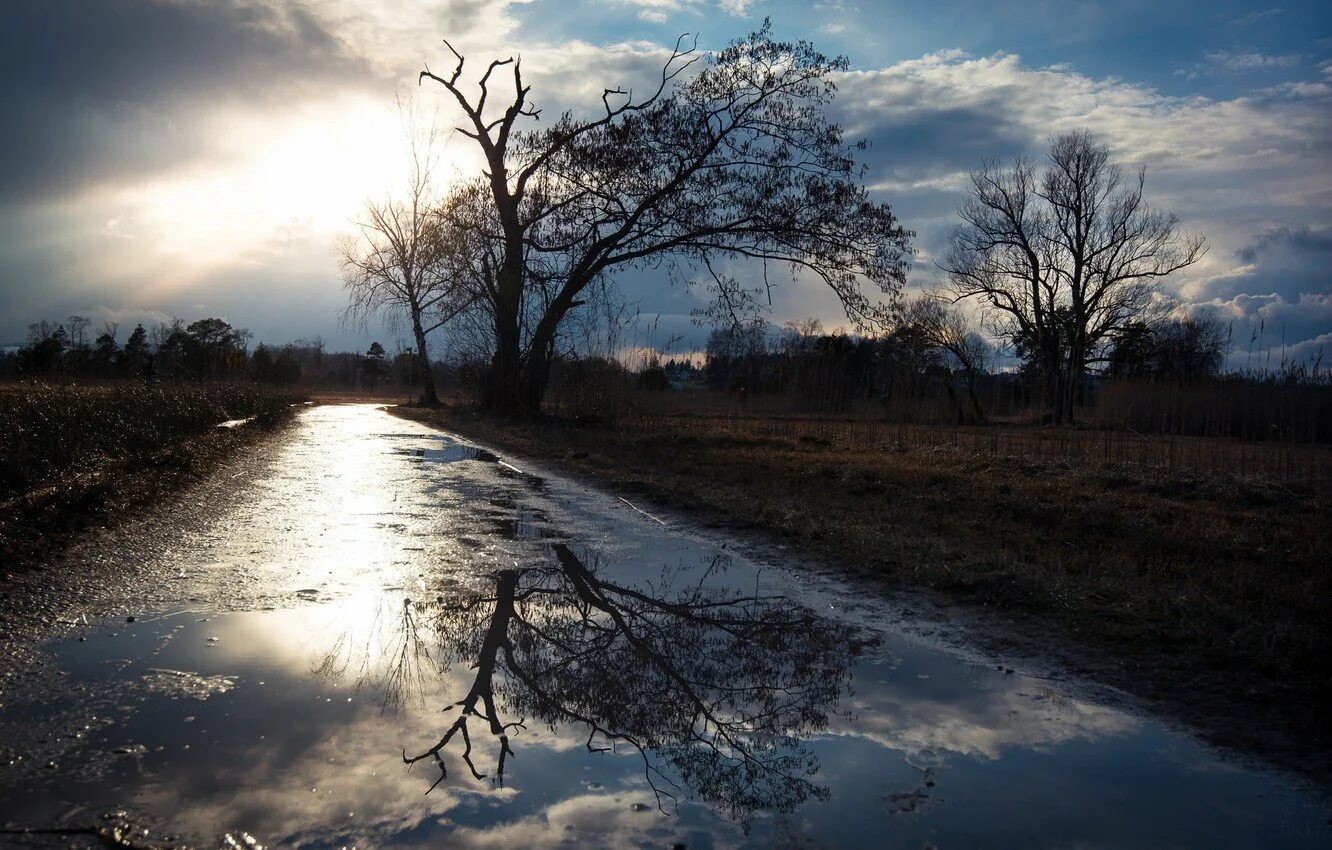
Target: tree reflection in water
(714,690)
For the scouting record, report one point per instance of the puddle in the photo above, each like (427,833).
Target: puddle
(445,449)
(563,671)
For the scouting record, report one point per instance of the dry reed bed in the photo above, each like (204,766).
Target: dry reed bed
(1287,461)
(50,434)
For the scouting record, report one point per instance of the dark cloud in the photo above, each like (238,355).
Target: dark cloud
(927,142)
(105,89)
(1267,330)
(1287,261)
(1286,241)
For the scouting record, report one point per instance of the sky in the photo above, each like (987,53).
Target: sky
(187,158)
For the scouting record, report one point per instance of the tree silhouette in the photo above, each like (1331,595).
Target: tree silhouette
(396,265)
(1065,259)
(733,161)
(713,689)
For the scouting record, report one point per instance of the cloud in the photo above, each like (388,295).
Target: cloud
(982,724)
(1269,328)
(659,11)
(1287,260)
(1004,99)
(1239,62)
(112,91)
(1254,17)
(1299,240)
(1253,172)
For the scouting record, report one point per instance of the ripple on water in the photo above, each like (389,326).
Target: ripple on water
(182,683)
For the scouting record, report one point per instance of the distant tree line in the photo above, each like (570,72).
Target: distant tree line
(205,349)
(932,352)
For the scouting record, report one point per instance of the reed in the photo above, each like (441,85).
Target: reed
(50,433)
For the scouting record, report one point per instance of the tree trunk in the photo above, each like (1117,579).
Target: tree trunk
(536,378)
(1072,377)
(975,400)
(428,394)
(1053,378)
(503,390)
(525,376)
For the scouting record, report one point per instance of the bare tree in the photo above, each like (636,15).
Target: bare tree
(798,337)
(78,331)
(396,265)
(736,160)
(939,326)
(1063,260)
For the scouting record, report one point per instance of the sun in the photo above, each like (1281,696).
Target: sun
(270,185)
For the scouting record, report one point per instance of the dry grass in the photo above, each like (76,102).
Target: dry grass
(706,414)
(51,433)
(73,457)
(387,395)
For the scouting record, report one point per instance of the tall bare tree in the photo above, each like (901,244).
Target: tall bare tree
(1064,259)
(396,265)
(736,160)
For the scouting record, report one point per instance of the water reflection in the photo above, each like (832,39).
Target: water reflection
(714,688)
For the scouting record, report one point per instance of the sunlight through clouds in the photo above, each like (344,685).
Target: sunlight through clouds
(238,159)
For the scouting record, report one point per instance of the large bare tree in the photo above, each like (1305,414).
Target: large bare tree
(1064,259)
(398,263)
(734,158)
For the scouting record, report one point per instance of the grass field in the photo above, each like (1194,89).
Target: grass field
(710,414)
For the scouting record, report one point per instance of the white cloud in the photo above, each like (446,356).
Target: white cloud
(658,11)
(838,16)
(980,727)
(1238,62)
(1254,17)
(398,37)
(1235,168)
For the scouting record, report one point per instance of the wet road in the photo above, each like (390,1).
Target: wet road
(564,670)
